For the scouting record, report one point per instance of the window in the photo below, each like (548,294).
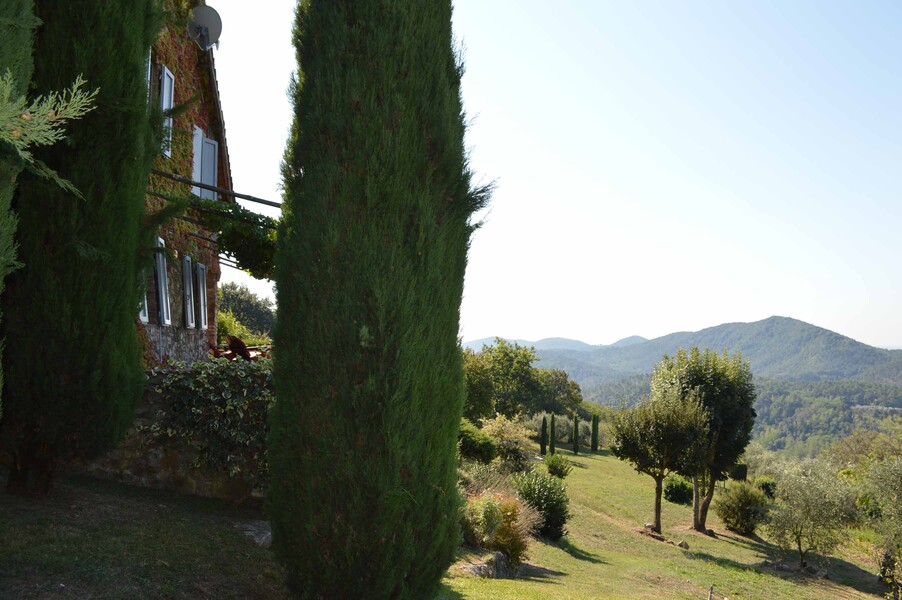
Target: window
(167,96)
(188,285)
(162,284)
(198,153)
(206,163)
(208,167)
(142,314)
(200,275)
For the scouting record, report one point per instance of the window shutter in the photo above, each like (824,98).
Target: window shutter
(209,166)
(188,285)
(163,285)
(200,274)
(167,98)
(198,154)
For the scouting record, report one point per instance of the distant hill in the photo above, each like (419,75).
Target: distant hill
(629,341)
(555,343)
(779,348)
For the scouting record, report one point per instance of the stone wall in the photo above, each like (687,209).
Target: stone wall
(142,459)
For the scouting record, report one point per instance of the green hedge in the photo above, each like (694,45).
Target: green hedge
(220,408)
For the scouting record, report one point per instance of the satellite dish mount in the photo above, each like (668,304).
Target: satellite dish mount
(205,27)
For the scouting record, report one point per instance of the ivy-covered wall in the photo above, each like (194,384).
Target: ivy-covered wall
(196,95)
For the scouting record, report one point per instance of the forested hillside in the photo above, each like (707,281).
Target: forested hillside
(814,385)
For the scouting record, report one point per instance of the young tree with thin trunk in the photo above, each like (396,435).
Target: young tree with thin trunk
(369,270)
(664,434)
(73,381)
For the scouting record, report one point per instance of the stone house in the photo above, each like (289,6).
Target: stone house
(178,316)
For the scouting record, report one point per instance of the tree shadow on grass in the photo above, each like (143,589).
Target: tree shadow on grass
(578,553)
(528,572)
(446,593)
(840,571)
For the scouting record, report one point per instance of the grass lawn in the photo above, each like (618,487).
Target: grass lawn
(92,539)
(605,557)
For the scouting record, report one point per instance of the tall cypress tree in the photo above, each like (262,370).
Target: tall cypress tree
(370,267)
(543,437)
(75,375)
(575,434)
(17,24)
(552,441)
(594,433)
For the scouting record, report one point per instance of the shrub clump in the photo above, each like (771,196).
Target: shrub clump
(742,507)
(220,408)
(558,466)
(678,490)
(768,485)
(512,440)
(497,521)
(548,495)
(475,444)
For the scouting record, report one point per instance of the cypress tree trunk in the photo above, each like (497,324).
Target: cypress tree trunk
(75,375)
(370,269)
(543,438)
(575,434)
(552,441)
(17,24)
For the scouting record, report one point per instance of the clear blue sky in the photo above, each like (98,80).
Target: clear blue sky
(660,166)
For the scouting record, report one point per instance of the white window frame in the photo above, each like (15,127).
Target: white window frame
(143,314)
(200,277)
(198,154)
(188,284)
(210,148)
(165,312)
(167,100)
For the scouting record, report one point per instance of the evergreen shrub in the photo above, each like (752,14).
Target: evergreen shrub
(741,507)
(558,466)
(543,437)
(474,444)
(548,495)
(768,485)
(678,490)
(220,408)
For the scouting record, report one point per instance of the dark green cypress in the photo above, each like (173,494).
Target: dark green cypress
(551,441)
(543,437)
(575,434)
(17,24)
(594,433)
(369,271)
(75,375)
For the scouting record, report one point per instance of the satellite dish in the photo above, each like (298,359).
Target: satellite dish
(205,27)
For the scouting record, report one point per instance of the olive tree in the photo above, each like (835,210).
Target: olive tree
(811,509)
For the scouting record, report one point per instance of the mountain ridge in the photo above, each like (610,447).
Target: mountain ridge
(781,348)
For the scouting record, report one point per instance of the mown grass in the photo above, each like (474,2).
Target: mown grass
(605,557)
(93,539)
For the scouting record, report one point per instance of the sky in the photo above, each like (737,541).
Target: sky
(659,166)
